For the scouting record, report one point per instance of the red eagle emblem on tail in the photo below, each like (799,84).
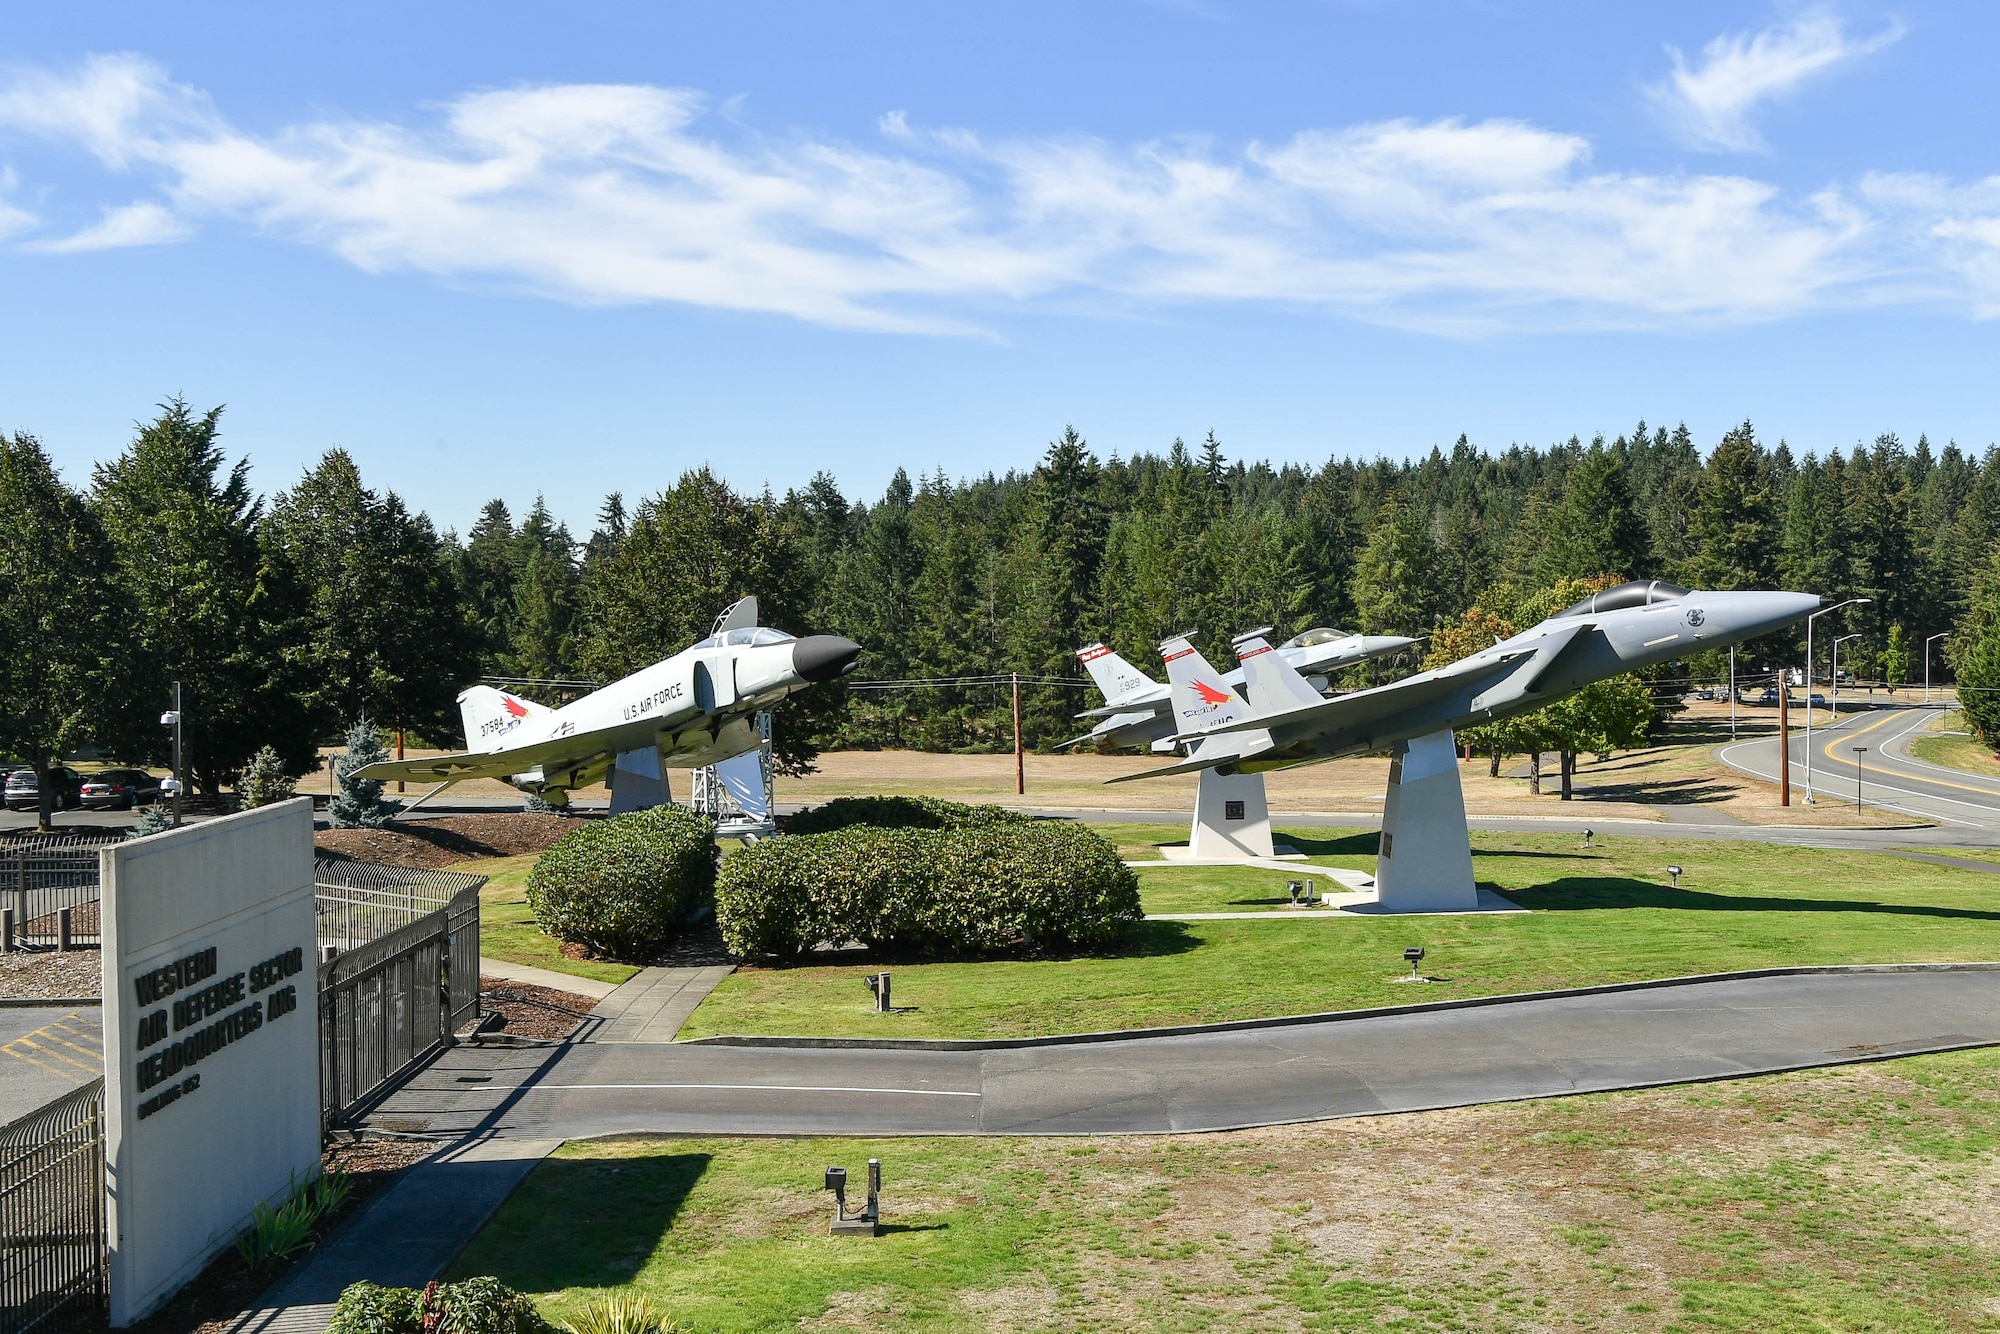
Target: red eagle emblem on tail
(514,706)
(1209,694)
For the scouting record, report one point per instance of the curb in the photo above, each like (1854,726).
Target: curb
(1336,1016)
(46,1002)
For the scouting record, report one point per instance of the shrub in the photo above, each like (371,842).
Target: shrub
(265,782)
(471,1306)
(896,813)
(620,1313)
(975,889)
(621,886)
(288,1229)
(360,803)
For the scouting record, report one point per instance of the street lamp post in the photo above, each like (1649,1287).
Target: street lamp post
(1942,634)
(1784,743)
(1732,692)
(172,718)
(1833,709)
(1859,751)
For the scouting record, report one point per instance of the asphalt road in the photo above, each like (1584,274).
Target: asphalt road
(1887,776)
(1400,1062)
(44,1052)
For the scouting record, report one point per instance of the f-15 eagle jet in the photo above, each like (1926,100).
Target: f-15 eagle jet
(698,708)
(1621,629)
(1138,711)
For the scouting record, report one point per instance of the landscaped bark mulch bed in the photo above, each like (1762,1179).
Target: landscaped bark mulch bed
(434,844)
(531,1011)
(228,1287)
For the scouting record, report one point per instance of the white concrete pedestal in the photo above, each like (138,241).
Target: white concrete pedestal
(1425,864)
(1232,822)
(639,781)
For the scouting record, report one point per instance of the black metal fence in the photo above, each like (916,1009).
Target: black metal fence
(40,882)
(52,1265)
(388,1006)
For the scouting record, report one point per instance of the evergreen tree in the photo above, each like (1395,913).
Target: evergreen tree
(384,630)
(67,631)
(1735,521)
(359,804)
(1392,577)
(1595,530)
(265,782)
(210,615)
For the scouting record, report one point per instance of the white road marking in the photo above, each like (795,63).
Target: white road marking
(746,1088)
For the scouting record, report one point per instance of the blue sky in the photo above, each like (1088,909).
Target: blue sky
(498,249)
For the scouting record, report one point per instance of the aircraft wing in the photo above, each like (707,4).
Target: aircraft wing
(564,753)
(1343,711)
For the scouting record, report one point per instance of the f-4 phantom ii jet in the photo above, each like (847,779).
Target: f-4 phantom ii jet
(1621,629)
(698,708)
(1138,712)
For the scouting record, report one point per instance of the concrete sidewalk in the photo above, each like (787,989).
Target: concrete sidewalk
(405,1237)
(653,1005)
(530,975)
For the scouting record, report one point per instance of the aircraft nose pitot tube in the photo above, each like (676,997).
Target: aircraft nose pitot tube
(824,657)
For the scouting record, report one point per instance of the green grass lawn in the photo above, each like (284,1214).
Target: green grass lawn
(1187,889)
(507,930)
(1603,915)
(1956,752)
(1850,1199)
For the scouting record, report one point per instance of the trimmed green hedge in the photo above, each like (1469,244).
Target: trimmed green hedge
(472,1306)
(978,889)
(895,813)
(620,886)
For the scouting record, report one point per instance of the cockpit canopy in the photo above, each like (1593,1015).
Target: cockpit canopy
(752,636)
(1314,638)
(1638,593)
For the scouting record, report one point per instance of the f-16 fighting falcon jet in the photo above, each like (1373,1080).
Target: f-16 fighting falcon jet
(697,707)
(1621,629)
(1138,711)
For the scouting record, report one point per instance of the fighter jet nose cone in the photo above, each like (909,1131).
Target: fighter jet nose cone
(823,657)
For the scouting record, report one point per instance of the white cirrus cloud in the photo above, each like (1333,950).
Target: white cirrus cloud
(137,224)
(1709,103)
(600,194)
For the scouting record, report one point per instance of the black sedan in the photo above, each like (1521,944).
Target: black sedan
(119,789)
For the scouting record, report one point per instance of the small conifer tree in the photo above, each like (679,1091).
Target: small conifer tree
(266,781)
(360,803)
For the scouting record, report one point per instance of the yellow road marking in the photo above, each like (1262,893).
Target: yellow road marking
(26,1048)
(1908,778)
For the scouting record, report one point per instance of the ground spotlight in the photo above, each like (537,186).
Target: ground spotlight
(866,1222)
(1586,838)
(879,984)
(1413,956)
(1675,872)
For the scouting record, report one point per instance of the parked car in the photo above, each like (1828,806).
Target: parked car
(119,789)
(1768,699)
(24,794)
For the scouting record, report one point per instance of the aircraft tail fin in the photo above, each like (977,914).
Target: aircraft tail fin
(1202,699)
(1272,684)
(490,714)
(1115,677)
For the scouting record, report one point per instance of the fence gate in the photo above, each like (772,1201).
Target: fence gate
(52,1272)
(393,1003)
(37,882)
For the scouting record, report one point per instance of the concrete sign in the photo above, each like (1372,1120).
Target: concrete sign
(211,1041)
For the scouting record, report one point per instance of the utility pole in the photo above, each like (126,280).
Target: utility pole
(1785,738)
(1020,764)
(399,748)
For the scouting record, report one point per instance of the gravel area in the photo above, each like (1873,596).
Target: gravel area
(430,845)
(46,973)
(530,1011)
